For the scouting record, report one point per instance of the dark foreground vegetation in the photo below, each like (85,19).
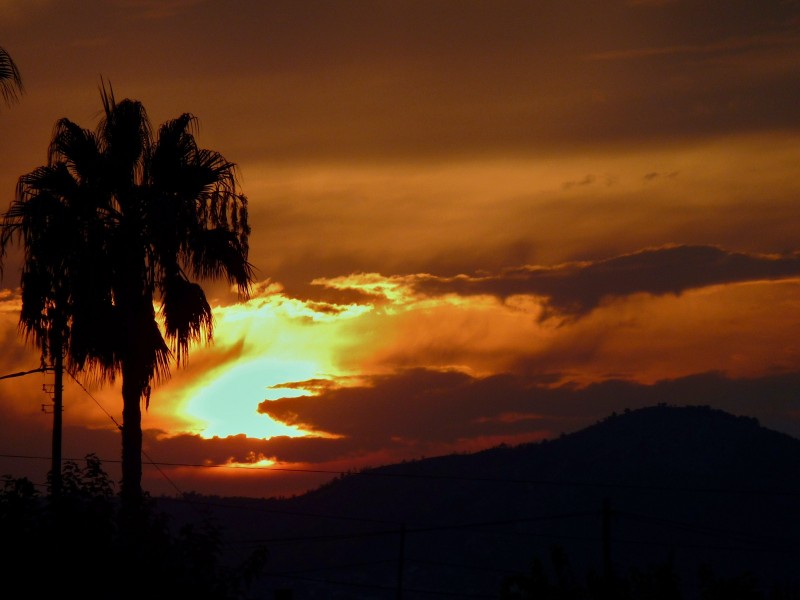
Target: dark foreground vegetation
(77,546)
(663,503)
(554,579)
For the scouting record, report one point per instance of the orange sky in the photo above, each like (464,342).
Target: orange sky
(472,222)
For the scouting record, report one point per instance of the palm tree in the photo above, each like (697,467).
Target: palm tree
(120,220)
(10,79)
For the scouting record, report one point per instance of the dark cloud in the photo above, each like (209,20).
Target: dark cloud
(426,413)
(194,449)
(303,79)
(655,175)
(588,180)
(578,288)
(390,418)
(412,78)
(422,408)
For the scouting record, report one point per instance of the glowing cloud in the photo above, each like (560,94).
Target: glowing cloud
(259,345)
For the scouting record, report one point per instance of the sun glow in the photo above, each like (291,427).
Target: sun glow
(254,462)
(227,403)
(271,343)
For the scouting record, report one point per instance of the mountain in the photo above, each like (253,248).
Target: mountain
(665,489)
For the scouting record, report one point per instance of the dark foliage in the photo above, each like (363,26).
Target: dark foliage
(657,582)
(73,546)
(119,220)
(686,487)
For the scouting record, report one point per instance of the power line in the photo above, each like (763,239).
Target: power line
(288,512)
(738,536)
(502,522)
(436,563)
(151,461)
(380,587)
(774,544)
(689,545)
(111,417)
(108,414)
(371,473)
(420,529)
(375,473)
(21,373)
(361,565)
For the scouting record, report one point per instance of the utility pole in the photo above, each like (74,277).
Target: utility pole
(58,391)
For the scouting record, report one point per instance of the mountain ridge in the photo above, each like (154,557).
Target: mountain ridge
(691,482)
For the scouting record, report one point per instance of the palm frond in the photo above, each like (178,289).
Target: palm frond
(54,180)
(124,136)
(77,148)
(145,346)
(114,217)
(218,253)
(187,314)
(36,298)
(95,331)
(10,79)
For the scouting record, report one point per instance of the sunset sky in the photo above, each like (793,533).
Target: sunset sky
(473,222)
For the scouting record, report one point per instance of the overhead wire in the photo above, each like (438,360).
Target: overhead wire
(414,530)
(466,478)
(376,472)
(737,536)
(21,373)
(385,588)
(616,485)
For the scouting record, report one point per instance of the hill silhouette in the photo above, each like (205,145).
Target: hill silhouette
(709,497)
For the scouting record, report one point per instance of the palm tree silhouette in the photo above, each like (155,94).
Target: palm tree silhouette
(117,221)
(10,79)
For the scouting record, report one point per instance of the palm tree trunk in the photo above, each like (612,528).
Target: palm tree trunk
(135,379)
(131,488)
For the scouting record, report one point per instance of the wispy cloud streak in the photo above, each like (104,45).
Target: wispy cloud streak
(577,288)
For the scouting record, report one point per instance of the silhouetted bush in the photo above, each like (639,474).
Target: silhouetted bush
(657,582)
(76,545)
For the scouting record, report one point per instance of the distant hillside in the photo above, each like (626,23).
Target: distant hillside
(691,485)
